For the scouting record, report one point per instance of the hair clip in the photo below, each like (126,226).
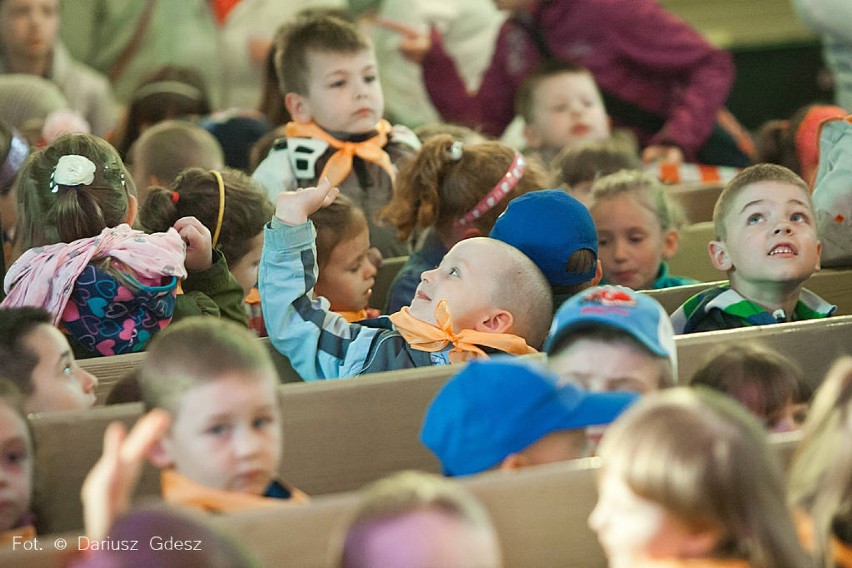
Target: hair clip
(456,150)
(175,197)
(72,170)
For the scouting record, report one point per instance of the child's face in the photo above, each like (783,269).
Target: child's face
(771,237)
(631,243)
(344,92)
(464,279)
(568,110)
(58,381)
(16,467)
(346,280)
(226,434)
(245,269)
(28,27)
(600,366)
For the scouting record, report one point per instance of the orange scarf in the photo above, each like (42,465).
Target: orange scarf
(7,538)
(340,163)
(179,490)
(352,317)
(427,337)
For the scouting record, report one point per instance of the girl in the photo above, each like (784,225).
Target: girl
(687,480)
(16,468)
(110,288)
(453,191)
(821,474)
(346,272)
(637,231)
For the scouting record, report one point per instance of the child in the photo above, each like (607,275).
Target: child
(16,469)
(166,149)
(331,88)
(14,150)
(37,358)
(558,234)
(611,338)
(579,166)
(346,274)
(766,382)
(766,241)
(108,287)
(223,449)
(418,519)
(687,479)
(562,107)
(821,471)
(510,414)
(452,191)
(458,307)
(637,231)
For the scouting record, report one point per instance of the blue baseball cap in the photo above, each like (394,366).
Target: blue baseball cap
(641,316)
(549,226)
(492,409)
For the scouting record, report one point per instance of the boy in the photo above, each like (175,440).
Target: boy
(37,358)
(564,244)
(330,83)
(578,166)
(766,240)
(485,294)
(509,414)
(562,107)
(223,449)
(610,338)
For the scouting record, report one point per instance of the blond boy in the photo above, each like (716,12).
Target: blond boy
(766,240)
(330,82)
(486,296)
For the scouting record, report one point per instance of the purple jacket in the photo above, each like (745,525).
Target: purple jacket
(635,50)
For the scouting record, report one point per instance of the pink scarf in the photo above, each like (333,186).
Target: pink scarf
(45,276)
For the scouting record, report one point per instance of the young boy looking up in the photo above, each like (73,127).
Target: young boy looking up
(330,83)
(485,296)
(509,414)
(766,240)
(610,338)
(562,107)
(36,357)
(223,449)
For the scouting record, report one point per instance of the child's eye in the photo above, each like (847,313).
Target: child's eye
(799,217)
(453,272)
(370,78)
(754,218)
(67,369)
(337,84)
(218,429)
(603,242)
(15,457)
(262,421)
(636,239)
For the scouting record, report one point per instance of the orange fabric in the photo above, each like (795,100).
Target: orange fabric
(731,125)
(253,297)
(340,163)
(178,490)
(694,563)
(427,337)
(841,551)
(221,9)
(807,138)
(7,539)
(360,314)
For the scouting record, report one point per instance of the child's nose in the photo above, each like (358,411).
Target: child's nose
(369,270)
(88,381)
(783,227)
(247,441)
(426,275)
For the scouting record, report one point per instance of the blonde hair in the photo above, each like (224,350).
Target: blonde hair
(821,473)
(645,188)
(751,175)
(704,459)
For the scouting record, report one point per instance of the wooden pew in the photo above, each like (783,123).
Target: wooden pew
(692,259)
(384,277)
(696,200)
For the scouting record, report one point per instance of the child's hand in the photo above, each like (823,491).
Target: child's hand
(413,44)
(199,250)
(293,207)
(111,482)
(671,154)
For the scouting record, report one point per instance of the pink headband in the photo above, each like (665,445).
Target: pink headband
(503,187)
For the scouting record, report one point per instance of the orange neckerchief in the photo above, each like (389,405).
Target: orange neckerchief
(841,551)
(352,317)
(427,337)
(179,490)
(340,163)
(221,9)
(694,563)
(7,538)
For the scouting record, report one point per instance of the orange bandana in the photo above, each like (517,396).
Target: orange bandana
(427,337)
(7,539)
(352,317)
(340,163)
(178,490)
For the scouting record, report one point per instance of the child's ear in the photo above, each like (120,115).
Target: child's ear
(699,544)
(532,137)
(513,461)
(719,256)
(471,232)
(598,274)
(132,208)
(298,107)
(499,321)
(160,456)
(819,256)
(671,242)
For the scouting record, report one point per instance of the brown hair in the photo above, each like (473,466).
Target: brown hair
(747,177)
(525,97)
(17,361)
(319,33)
(71,212)
(340,221)
(585,163)
(437,187)
(775,140)
(195,192)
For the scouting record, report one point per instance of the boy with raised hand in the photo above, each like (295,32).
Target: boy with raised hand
(485,296)
(766,240)
(330,82)
(610,338)
(508,414)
